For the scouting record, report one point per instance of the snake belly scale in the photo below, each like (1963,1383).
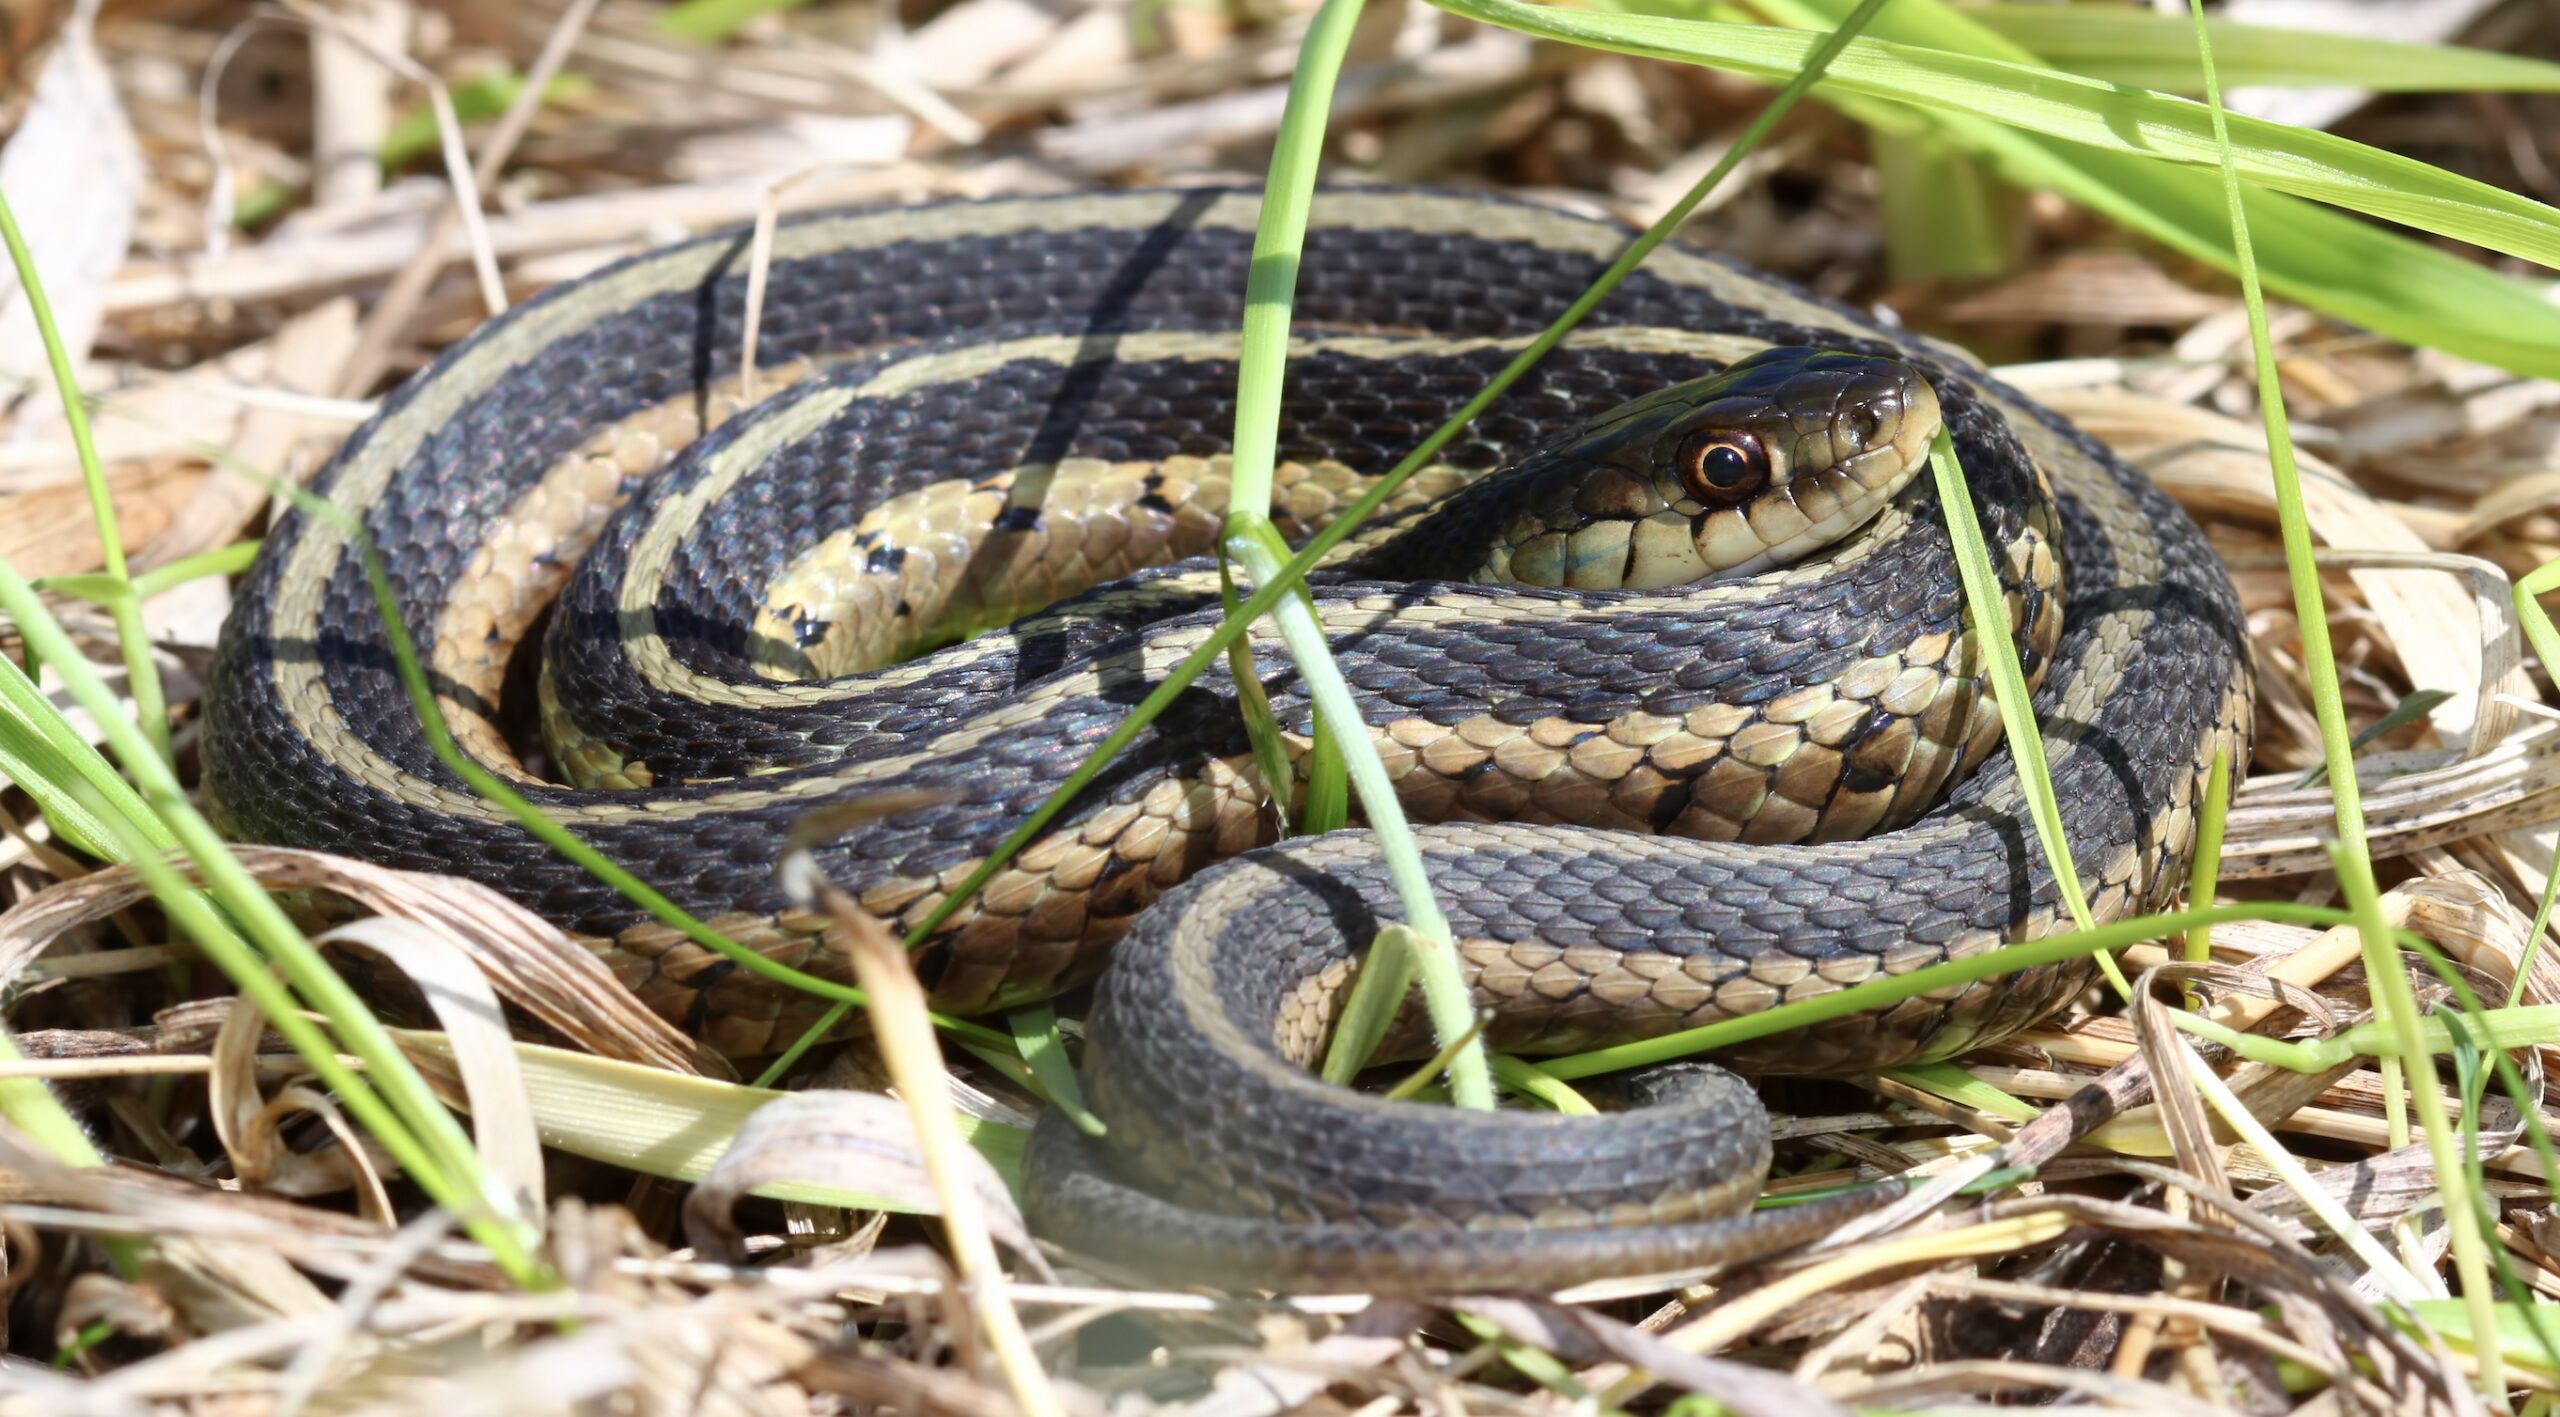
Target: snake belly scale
(1649,802)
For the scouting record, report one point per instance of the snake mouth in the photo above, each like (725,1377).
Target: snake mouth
(1776,457)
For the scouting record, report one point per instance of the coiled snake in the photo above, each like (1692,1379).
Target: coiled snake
(1655,800)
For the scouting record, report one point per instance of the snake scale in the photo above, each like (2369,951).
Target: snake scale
(1650,800)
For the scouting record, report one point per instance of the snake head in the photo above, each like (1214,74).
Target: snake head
(1779,454)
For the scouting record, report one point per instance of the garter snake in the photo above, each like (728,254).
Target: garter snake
(1651,801)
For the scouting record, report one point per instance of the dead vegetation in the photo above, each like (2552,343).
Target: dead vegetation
(245,217)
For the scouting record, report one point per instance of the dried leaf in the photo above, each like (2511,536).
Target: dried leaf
(501,1116)
(74,157)
(530,961)
(860,1144)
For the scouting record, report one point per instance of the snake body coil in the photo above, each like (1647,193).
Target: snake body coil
(1656,802)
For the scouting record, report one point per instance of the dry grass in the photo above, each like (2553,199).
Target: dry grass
(277,278)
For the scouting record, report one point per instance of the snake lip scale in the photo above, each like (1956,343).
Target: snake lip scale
(1683,695)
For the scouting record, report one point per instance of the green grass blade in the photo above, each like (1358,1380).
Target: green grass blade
(404,1114)
(2538,632)
(1328,804)
(229,560)
(1885,992)
(1435,959)
(142,677)
(2305,1058)
(2410,709)
(1964,1089)
(2204,869)
(1438,1063)
(713,21)
(677,1126)
(1529,1080)
(1988,610)
(2104,117)
(2324,259)
(2393,1000)
(30,1107)
(2481,1041)
(2522,1333)
(415,134)
(2147,49)
(1279,238)
(2394,1280)
(1044,1051)
(2523,1026)
(1261,725)
(94,587)
(1271,290)
(1944,217)
(1377,992)
(70,781)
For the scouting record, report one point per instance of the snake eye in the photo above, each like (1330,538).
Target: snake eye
(1722,467)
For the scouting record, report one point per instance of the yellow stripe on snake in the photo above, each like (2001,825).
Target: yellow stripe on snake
(1668,654)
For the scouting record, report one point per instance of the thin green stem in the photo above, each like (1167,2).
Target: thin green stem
(2530,1026)
(2393,1000)
(2538,631)
(1881,993)
(1435,958)
(1434,1066)
(1988,608)
(2395,1279)
(221,561)
(2204,872)
(1370,1007)
(142,677)
(1280,234)
(1270,749)
(2482,1036)
(407,1118)
(57,767)
(1250,540)
(31,1107)
(2292,1057)
(1530,1080)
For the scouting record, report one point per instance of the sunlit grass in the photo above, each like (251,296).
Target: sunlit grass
(146,812)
